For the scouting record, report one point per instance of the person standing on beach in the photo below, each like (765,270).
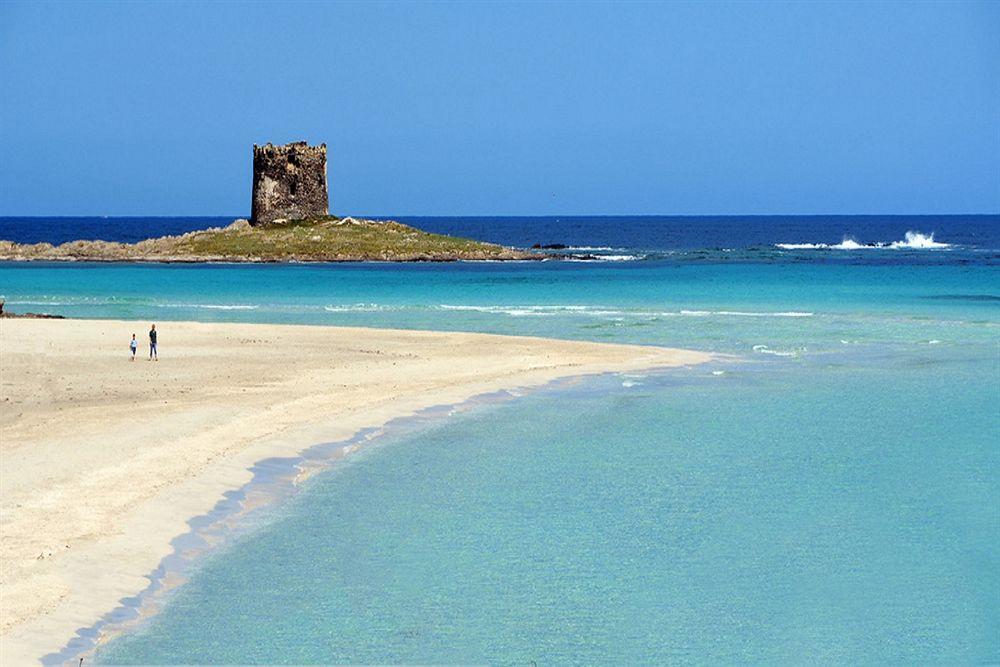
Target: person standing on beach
(152,343)
(132,346)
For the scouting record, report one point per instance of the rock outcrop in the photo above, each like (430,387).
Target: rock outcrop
(32,316)
(289,183)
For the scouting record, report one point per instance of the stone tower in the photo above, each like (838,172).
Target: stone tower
(289,183)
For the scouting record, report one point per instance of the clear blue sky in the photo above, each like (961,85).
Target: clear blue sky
(520,109)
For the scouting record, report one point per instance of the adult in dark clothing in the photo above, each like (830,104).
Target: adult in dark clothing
(152,343)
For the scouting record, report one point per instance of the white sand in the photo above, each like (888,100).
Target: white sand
(104,460)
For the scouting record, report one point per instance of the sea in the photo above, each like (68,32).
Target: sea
(826,490)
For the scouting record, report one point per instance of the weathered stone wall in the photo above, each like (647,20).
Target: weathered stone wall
(289,182)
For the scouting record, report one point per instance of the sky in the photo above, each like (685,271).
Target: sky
(504,109)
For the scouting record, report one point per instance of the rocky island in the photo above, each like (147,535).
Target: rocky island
(289,222)
(324,239)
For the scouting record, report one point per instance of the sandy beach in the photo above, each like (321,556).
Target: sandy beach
(104,460)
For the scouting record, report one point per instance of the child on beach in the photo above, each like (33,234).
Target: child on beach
(132,346)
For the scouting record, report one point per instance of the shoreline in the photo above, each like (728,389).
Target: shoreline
(275,481)
(81,482)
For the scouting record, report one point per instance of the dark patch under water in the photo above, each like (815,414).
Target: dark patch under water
(964,297)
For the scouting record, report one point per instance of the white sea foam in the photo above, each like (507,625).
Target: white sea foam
(359,308)
(87,301)
(850,244)
(58,303)
(801,246)
(521,311)
(911,241)
(737,313)
(518,310)
(917,240)
(741,313)
(605,258)
(764,349)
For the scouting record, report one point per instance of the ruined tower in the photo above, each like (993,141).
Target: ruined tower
(289,182)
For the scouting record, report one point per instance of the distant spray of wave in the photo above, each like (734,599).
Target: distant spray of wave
(911,241)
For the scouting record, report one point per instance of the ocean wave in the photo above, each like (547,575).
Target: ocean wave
(605,258)
(29,302)
(764,349)
(609,312)
(360,308)
(521,311)
(209,306)
(801,246)
(919,241)
(590,311)
(113,301)
(46,300)
(741,313)
(911,241)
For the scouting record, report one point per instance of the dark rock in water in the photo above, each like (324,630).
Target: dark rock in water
(550,246)
(289,183)
(33,316)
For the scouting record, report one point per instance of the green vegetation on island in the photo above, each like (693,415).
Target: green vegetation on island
(321,239)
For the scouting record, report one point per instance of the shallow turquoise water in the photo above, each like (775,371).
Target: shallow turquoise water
(712,306)
(777,514)
(832,497)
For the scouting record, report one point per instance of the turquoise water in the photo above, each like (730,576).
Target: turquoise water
(766,515)
(832,495)
(712,306)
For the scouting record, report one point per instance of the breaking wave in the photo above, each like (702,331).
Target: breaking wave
(911,241)
(918,240)
(604,258)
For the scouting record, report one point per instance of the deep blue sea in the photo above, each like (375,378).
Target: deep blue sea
(827,494)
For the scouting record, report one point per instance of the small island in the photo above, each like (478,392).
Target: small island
(290,222)
(320,239)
